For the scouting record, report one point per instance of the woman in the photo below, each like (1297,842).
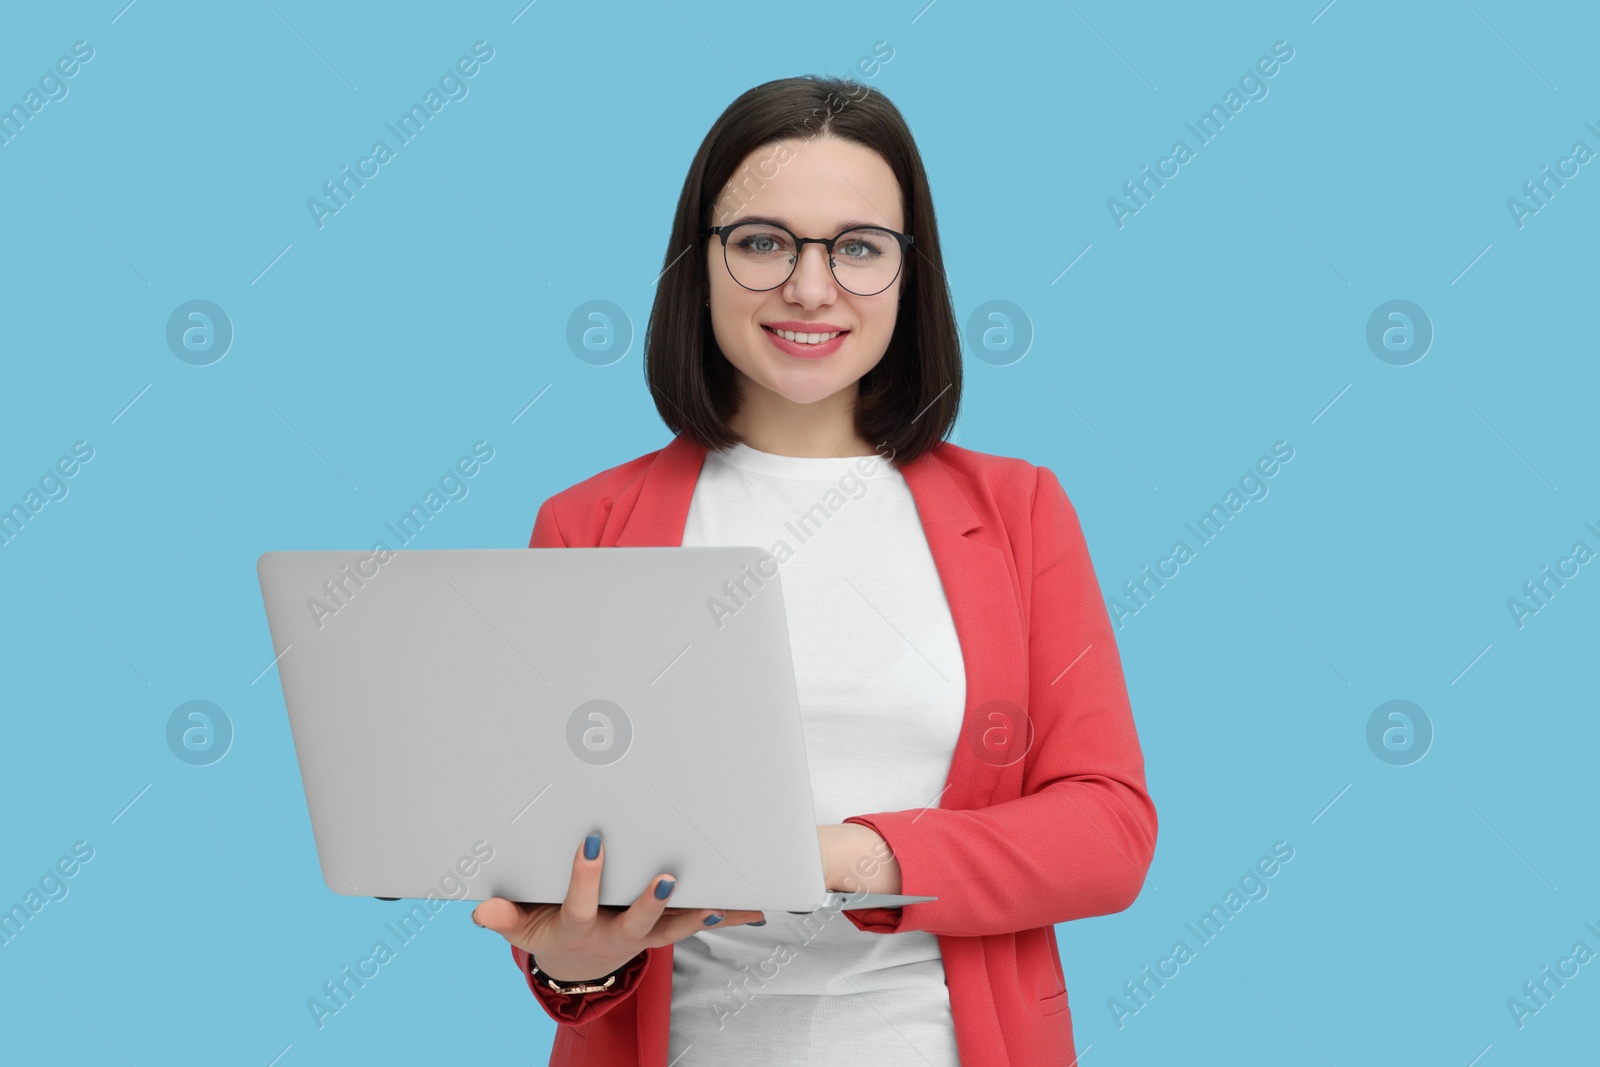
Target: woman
(966,719)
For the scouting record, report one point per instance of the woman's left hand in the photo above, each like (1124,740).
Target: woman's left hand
(855,859)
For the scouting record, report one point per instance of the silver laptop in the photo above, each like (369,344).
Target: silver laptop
(463,718)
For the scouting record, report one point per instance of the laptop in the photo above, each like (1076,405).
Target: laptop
(463,718)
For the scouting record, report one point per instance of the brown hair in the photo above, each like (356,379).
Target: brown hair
(908,401)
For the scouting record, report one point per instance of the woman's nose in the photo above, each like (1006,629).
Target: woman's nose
(812,275)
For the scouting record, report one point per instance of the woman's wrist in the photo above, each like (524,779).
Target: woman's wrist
(542,972)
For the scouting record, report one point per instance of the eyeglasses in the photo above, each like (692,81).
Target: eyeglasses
(761,255)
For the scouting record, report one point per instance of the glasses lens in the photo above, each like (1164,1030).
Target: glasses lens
(760,256)
(865,261)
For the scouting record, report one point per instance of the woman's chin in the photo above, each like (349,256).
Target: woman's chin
(809,392)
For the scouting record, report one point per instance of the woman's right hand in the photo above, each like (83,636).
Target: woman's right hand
(577,940)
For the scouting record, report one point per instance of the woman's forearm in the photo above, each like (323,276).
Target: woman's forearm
(855,859)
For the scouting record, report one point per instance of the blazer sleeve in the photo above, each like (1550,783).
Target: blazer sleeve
(577,1007)
(1080,839)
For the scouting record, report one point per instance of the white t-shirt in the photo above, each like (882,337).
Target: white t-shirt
(882,690)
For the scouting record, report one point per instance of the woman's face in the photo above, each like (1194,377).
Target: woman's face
(818,189)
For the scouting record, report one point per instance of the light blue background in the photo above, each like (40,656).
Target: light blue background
(1226,315)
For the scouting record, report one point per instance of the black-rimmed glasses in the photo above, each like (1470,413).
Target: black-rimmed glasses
(761,255)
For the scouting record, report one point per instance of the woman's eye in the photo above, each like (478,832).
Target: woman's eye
(761,243)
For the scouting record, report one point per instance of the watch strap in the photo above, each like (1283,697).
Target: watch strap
(593,985)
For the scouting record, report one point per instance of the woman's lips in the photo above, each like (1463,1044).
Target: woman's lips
(804,351)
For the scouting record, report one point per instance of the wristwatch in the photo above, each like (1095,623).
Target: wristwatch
(593,985)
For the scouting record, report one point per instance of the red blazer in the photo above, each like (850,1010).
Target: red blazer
(1044,818)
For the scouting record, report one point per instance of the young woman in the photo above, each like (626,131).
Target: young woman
(966,718)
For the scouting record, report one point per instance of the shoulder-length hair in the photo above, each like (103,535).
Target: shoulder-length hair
(907,403)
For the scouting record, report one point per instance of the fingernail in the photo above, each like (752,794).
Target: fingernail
(591,846)
(664,888)
(763,922)
(712,920)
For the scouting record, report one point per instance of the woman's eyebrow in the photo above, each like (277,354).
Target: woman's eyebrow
(848,224)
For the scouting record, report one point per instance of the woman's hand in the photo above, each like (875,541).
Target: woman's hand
(855,859)
(576,940)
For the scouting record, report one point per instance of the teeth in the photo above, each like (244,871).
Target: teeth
(807,338)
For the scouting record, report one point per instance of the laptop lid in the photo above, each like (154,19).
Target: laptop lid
(464,717)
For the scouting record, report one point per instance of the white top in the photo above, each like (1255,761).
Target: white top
(882,690)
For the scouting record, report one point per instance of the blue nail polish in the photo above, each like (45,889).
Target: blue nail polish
(591,846)
(712,920)
(664,887)
(763,922)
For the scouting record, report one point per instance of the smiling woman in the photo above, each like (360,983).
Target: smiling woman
(802,325)
(780,358)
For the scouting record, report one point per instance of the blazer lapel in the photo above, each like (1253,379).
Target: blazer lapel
(661,511)
(983,605)
(978,587)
